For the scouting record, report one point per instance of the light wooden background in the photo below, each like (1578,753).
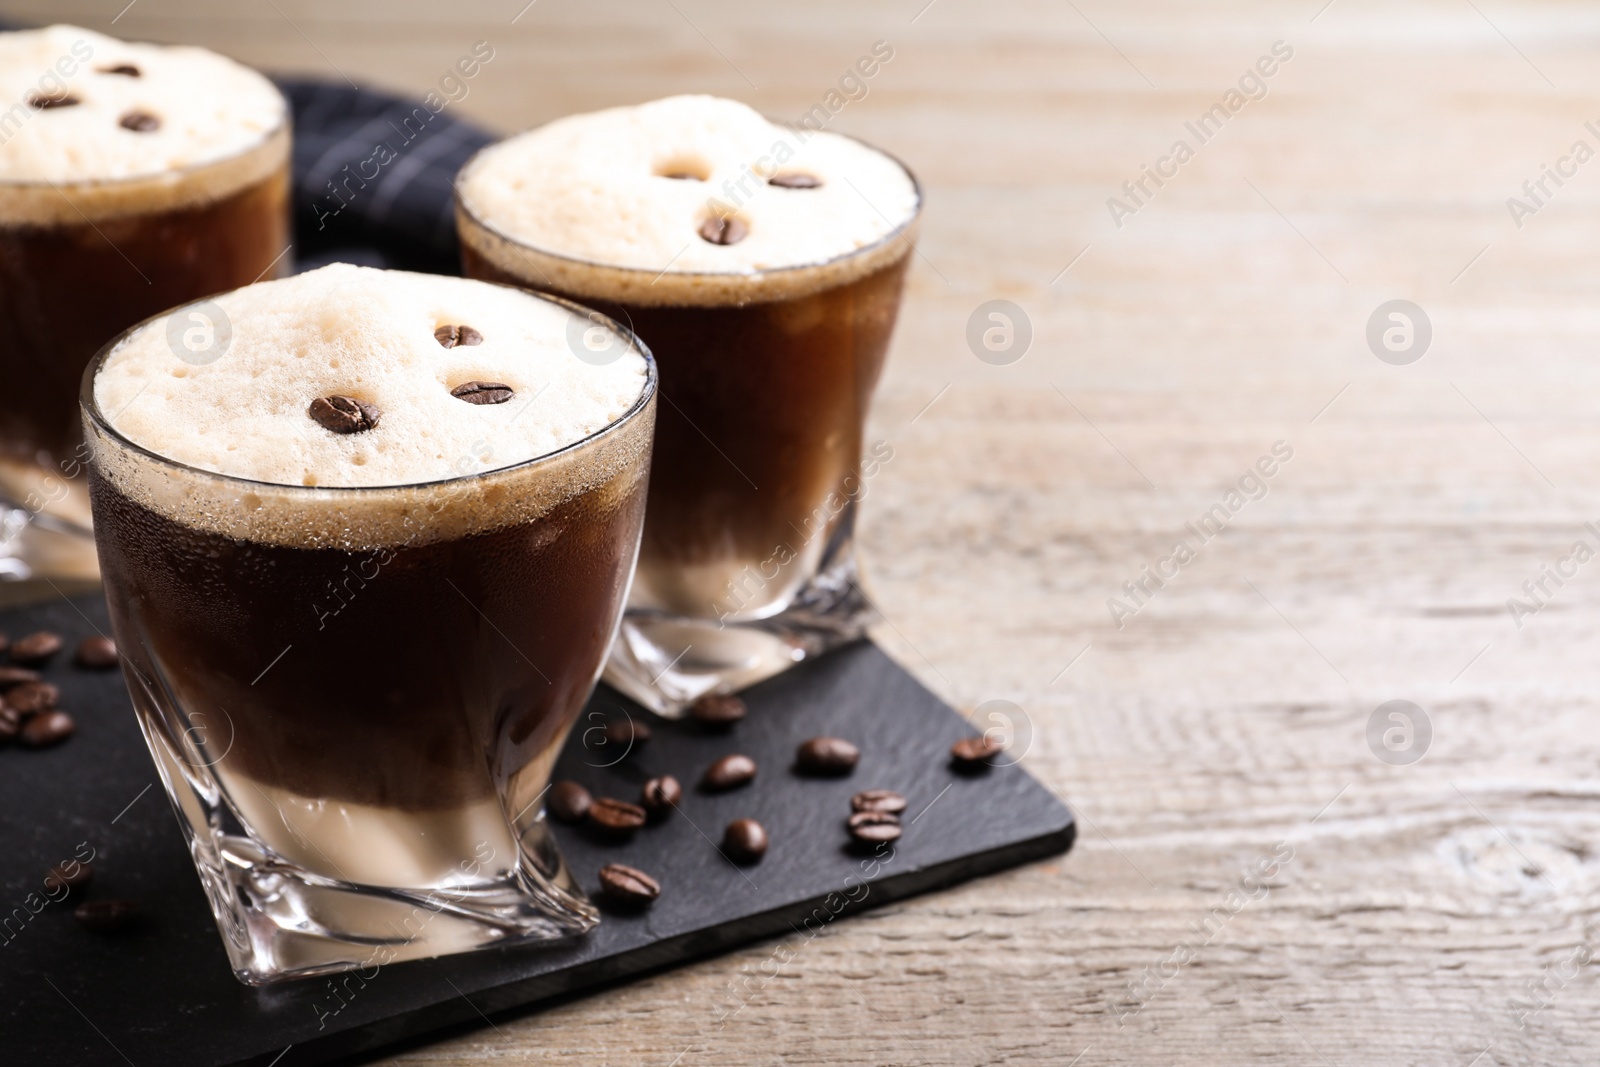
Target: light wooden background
(1228,314)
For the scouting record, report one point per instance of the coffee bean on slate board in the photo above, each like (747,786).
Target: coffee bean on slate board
(569,802)
(36,648)
(10,676)
(874,827)
(46,728)
(744,841)
(729,772)
(107,916)
(826,756)
(615,816)
(10,722)
(626,732)
(661,795)
(975,751)
(718,710)
(71,874)
(32,697)
(878,800)
(96,653)
(628,885)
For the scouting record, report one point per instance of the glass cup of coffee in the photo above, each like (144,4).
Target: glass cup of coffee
(763,265)
(133,178)
(364,569)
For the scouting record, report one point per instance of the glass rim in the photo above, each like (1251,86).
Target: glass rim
(283,125)
(897,233)
(90,409)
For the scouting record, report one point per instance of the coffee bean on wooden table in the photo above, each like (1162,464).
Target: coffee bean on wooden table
(729,772)
(46,728)
(96,653)
(71,875)
(569,802)
(107,916)
(826,756)
(628,885)
(718,710)
(30,698)
(661,795)
(878,800)
(10,676)
(626,732)
(874,827)
(975,751)
(616,816)
(744,841)
(35,649)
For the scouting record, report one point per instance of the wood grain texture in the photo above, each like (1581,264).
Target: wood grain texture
(1229,313)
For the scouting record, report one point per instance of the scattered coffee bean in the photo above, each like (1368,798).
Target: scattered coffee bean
(568,802)
(628,885)
(451,336)
(107,916)
(10,676)
(661,795)
(46,728)
(795,181)
(975,751)
(343,414)
(718,710)
(723,230)
(10,723)
(483,392)
(30,698)
(874,827)
(615,816)
(71,875)
(35,649)
(127,70)
(626,732)
(729,772)
(744,841)
(46,101)
(5,642)
(826,756)
(139,122)
(96,654)
(885,800)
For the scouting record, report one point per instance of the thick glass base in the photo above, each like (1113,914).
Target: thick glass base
(45,529)
(666,662)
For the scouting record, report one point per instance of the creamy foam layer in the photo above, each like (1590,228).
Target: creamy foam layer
(369,335)
(129,128)
(589,205)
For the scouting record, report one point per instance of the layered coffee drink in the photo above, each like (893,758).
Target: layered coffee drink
(764,266)
(365,568)
(133,177)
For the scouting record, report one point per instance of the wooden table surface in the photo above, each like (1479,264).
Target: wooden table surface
(1441,911)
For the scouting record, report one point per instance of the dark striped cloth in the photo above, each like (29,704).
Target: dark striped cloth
(373,177)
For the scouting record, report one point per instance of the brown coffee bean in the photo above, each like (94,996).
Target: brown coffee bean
(874,827)
(139,122)
(723,230)
(46,101)
(10,723)
(795,181)
(718,710)
(482,393)
(744,841)
(975,751)
(107,916)
(5,642)
(661,795)
(451,336)
(826,756)
(886,800)
(96,654)
(568,801)
(615,816)
(626,732)
(10,676)
(628,885)
(45,729)
(127,70)
(729,772)
(35,649)
(70,875)
(30,698)
(343,414)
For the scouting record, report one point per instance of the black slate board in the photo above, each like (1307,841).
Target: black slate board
(163,994)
